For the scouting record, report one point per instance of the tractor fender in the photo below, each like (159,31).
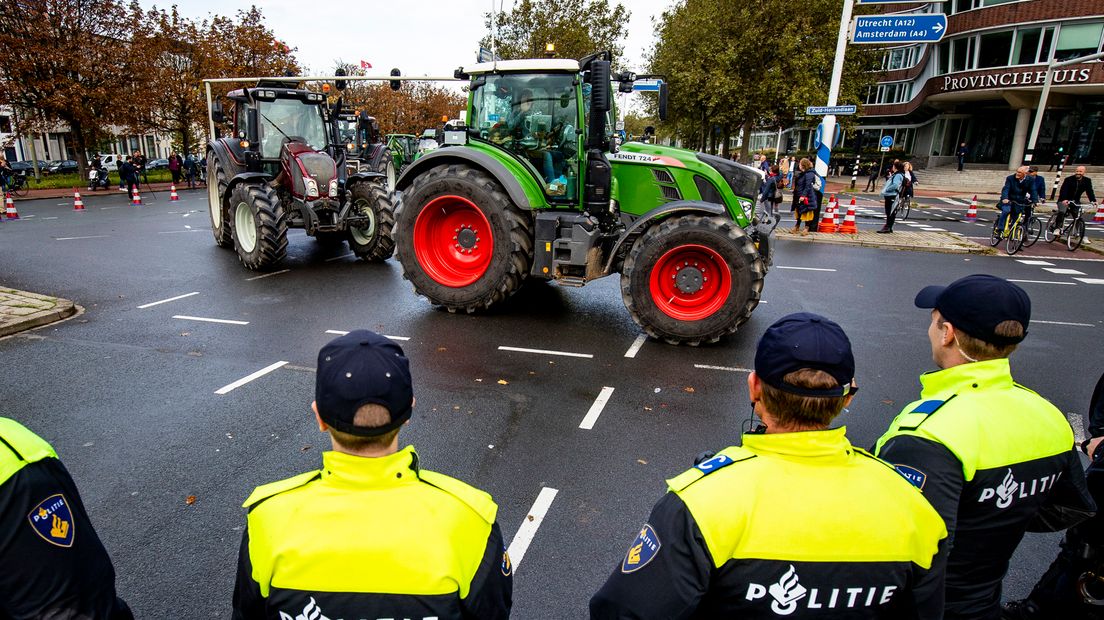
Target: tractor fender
(362,176)
(681,207)
(246,177)
(376,153)
(461,154)
(230,164)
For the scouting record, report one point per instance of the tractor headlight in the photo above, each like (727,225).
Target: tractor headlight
(333,188)
(312,187)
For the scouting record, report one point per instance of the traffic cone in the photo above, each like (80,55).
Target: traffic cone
(78,204)
(848,225)
(971,213)
(137,200)
(172,193)
(833,205)
(10,204)
(828,221)
(1099,217)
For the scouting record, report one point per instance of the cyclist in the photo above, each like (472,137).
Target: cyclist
(6,172)
(1039,189)
(1072,189)
(1018,190)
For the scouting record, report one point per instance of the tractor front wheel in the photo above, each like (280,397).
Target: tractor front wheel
(372,241)
(260,228)
(216,203)
(692,279)
(461,241)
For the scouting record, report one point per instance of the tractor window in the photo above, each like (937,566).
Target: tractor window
(285,119)
(535,117)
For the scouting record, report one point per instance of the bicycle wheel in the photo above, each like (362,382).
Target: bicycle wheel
(1033,232)
(1076,234)
(20,188)
(906,208)
(1015,238)
(995,236)
(1051,230)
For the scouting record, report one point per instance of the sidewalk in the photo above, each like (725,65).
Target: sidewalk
(942,242)
(67,192)
(20,310)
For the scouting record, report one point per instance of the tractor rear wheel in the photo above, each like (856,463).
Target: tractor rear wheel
(216,192)
(692,279)
(386,167)
(260,227)
(372,242)
(461,241)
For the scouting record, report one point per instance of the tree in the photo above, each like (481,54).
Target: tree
(67,61)
(412,108)
(576,27)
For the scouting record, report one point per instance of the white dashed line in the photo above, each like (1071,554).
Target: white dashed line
(529,525)
(106,208)
(165,301)
(88,237)
(1090,280)
(338,332)
(246,379)
(803,268)
(50,218)
(1063,323)
(1034,262)
(1064,272)
(639,342)
(930,229)
(173,232)
(267,275)
(546,352)
(596,408)
(728,368)
(330,260)
(185,317)
(1043,282)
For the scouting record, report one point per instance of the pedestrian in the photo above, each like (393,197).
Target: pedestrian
(119,164)
(770,192)
(6,173)
(190,170)
(784,170)
(961,154)
(1017,191)
(1073,187)
(139,162)
(57,566)
(872,178)
(174,167)
(129,173)
(203,170)
(804,197)
(1059,158)
(371,535)
(890,193)
(994,458)
(909,187)
(1070,587)
(764,163)
(794,520)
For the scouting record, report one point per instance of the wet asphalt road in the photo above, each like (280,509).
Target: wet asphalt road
(127,394)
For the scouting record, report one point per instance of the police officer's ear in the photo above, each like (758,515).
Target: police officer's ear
(322,426)
(755,387)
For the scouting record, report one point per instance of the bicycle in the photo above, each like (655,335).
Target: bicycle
(17,184)
(1014,229)
(1034,228)
(1073,230)
(902,206)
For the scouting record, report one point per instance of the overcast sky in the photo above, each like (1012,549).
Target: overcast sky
(420,37)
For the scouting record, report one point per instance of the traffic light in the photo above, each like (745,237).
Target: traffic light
(396,84)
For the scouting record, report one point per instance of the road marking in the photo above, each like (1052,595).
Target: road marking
(951,201)
(1078,424)
(173,232)
(246,379)
(1064,272)
(803,268)
(1090,280)
(520,544)
(932,229)
(50,218)
(1043,282)
(1064,323)
(596,408)
(106,208)
(546,352)
(267,275)
(207,320)
(165,301)
(1034,262)
(338,332)
(62,204)
(639,342)
(88,237)
(328,260)
(728,368)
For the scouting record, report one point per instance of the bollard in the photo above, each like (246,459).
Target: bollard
(855,172)
(1057,177)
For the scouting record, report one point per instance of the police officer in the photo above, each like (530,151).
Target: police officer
(54,564)
(796,522)
(372,534)
(993,457)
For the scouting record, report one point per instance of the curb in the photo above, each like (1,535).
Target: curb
(63,309)
(949,244)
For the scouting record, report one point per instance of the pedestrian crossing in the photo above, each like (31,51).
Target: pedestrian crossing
(1052,270)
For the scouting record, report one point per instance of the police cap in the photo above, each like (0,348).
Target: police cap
(361,368)
(978,303)
(805,340)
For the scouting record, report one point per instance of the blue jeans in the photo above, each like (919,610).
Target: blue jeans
(1005,209)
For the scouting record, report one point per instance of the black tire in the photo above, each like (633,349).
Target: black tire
(1076,234)
(386,166)
(373,243)
(661,243)
(1051,230)
(1015,238)
(217,209)
(260,227)
(512,230)
(1034,231)
(995,235)
(23,186)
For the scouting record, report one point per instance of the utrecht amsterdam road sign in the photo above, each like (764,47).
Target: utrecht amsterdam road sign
(647,86)
(918,28)
(823,110)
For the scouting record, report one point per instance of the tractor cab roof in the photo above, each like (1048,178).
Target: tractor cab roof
(272,93)
(526,65)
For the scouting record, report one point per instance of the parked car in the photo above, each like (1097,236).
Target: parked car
(157,164)
(62,166)
(26,167)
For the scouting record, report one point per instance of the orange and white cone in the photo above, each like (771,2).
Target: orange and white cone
(833,205)
(828,220)
(172,193)
(1099,217)
(10,207)
(137,200)
(78,204)
(848,226)
(971,213)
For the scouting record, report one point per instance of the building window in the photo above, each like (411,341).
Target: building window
(5,124)
(962,54)
(1076,40)
(1026,50)
(994,49)
(944,52)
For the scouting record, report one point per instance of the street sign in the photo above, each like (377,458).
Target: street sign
(647,86)
(886,144)
(485,55)
(881,29)
(823,110)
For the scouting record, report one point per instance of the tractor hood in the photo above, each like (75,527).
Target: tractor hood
(313,173)
(744,181)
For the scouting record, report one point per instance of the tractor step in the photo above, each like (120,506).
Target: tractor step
(571,281)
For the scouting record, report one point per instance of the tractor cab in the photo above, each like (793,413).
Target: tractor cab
(358,133)
(272,114)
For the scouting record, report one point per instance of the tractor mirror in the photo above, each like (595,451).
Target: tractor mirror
(252,125)
(663,101)
(396,84)
(340,84)
(217,113)
(600,85)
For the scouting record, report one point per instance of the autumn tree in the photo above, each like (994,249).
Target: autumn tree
(576,27)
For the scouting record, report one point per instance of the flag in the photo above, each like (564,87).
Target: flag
(364,64)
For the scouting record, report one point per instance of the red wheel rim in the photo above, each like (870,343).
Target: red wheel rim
(453,241)
(690,282)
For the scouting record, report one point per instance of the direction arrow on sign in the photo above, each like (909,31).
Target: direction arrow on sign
(913,28)
(823,110)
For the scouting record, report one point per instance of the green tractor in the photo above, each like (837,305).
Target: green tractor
(534,187)
(404,149)
(364,149)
